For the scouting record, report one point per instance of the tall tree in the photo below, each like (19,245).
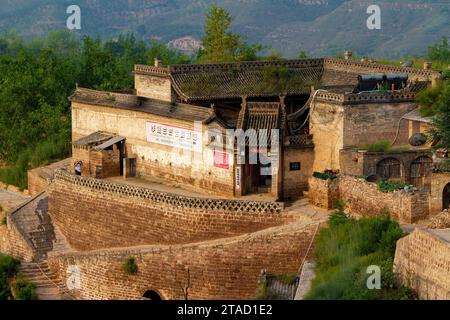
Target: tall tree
(220,44)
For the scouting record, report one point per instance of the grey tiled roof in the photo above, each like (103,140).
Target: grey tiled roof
(186,112)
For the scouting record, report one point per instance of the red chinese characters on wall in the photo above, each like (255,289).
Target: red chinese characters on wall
(221,160)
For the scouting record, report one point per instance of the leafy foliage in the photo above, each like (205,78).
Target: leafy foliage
(24,289)
(222,45)
(9,267)
(324,175)
(37,77)
(387,186)
(346,249)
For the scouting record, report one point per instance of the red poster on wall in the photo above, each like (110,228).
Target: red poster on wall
(221,160)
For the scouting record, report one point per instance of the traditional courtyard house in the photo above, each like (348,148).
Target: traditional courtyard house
(325,111)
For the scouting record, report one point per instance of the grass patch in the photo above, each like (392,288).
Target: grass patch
(346,249)
(130,266)
(382,146)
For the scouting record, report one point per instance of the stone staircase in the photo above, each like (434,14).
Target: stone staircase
(48,286)
(34,223)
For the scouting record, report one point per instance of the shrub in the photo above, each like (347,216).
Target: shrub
(339,216)
(9,267)
(324,175)
(387,186)
(4,221)
(24,289)
(130,266)
(346,249)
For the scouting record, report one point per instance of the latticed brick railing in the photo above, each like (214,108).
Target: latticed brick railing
(301,140)
(240,206)
(441,166)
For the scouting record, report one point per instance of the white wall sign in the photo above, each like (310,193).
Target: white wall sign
(175,137)
(238,177)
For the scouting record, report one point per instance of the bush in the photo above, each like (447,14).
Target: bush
(325,175)
(339,216)
(4,221)
(346,249)
(9,267)
(130,266)
(24,289)
(387,186)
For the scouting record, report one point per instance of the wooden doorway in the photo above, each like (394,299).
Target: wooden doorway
(421,169)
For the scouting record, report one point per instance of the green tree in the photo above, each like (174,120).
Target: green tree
(441,120)
(440,52)
(220,44)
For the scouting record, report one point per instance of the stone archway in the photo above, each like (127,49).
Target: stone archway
(390,169)
(446,197)
(152,295)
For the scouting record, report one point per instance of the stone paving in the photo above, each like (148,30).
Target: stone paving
(10,200)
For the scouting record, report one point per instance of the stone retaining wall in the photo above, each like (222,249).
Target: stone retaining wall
(95,214)
(220,269)
(422,260)
(363,198)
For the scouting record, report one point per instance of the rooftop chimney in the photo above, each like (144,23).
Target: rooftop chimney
(158,63)
(427,65)
(348,55)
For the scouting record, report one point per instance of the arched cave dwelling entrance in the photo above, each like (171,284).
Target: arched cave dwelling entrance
(421,172)
(446,197)
(152,295)
(390,169)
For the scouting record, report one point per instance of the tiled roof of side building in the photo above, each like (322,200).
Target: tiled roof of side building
(132,102)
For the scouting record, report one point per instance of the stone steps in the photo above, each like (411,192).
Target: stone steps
(46,284)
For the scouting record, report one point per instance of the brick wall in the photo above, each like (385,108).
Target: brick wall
(363,198)
(221,269)
(13,243)
(323,193)
(40,178)
(154,160)
(422,260)
(295,182)
(336,127)
(153,87)
(96,214)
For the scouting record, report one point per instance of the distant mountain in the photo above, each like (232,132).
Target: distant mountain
(319,27)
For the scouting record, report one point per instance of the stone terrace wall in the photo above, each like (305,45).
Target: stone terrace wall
(323,193)
(220,269)
(13,240)
(422,260)
(363,198)
(95,214)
